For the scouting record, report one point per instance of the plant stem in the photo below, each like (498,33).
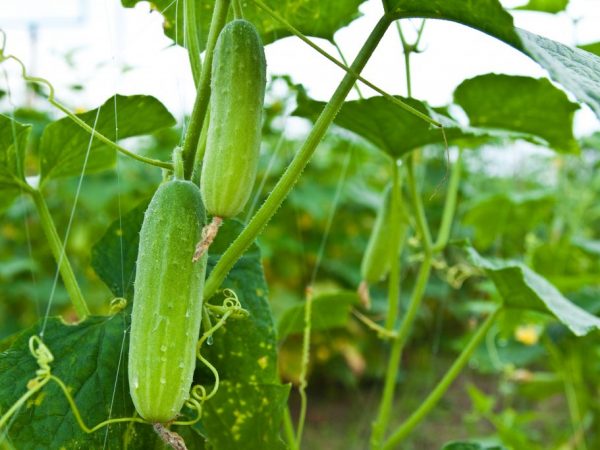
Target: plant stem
(422,226)
(436,394)
(407,50)
(385,407)
(293,171)
(396,239)
(200,151)
(304,367)
(237,9)
(348,70)
(192,42)
(58,251)
(345,61)
(449,205)
(192,135)
(288,429)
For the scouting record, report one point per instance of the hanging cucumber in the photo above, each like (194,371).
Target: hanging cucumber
(385,241)
(167,304)
(234,131)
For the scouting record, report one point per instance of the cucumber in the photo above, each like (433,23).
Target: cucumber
(384,242)
(234,132)
(167,303)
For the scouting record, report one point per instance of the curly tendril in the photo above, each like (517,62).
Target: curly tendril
(231,307)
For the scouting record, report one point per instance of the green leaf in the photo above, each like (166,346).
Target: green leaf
(549,6)
(328,311)
(114,255)
(64,145)
(246,415)
(312,17)
(389,127)
(522,288)
(90,359)
(576,70)
(594,48)
(522,104)
(13,143)
(507,214)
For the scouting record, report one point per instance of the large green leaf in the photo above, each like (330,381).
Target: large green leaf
(114,255)
(13,143)
(90,359)
(316,18)
(522,288)
(485,15)
(328,311)
(594,48)
(243,351)
(64,145)
(245,415)
(522,104)
(549,6)
(388,126)
(576,70)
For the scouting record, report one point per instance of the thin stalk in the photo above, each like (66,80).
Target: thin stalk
(192,42)
(293,171)
(304,367)
(58,251)
(288,429)
(407,51)
(192,135)
(237,9)
(343,58)
(200,151)
(449,205)
(107,141)
(436,394)
(417,203)
(387,399)
(396,242)
(348,70)
(565,374)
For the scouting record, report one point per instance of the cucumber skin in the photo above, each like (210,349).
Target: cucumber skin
(167,304)
(384,241)
(234,131)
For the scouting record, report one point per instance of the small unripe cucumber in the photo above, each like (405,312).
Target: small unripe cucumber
(167,302)
(234,131)
(384,242)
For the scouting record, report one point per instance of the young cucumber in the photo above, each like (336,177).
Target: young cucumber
(167,303)
(384,242)
(234,131)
